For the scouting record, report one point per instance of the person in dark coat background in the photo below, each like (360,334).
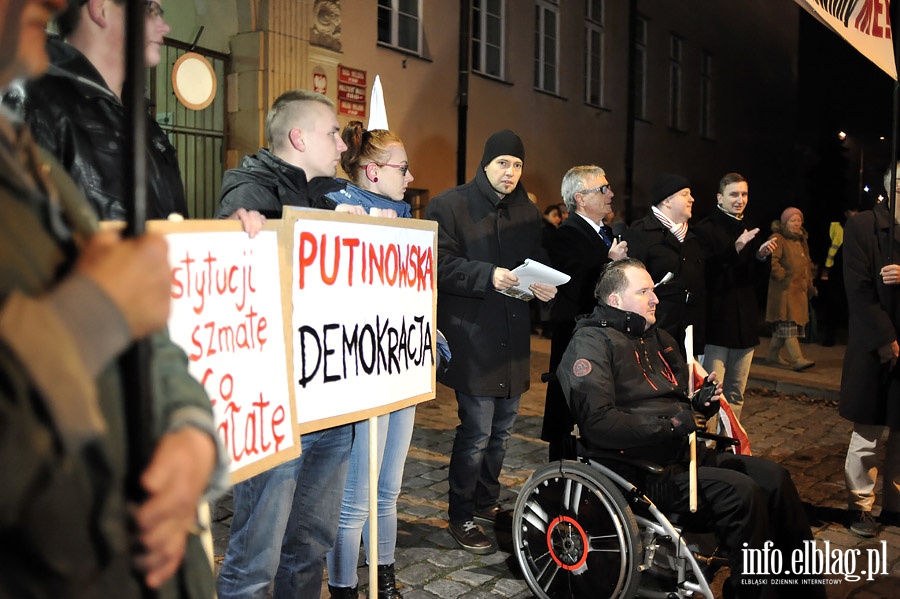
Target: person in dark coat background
(579,247)
(732,314)
(487,227)
(870,382)
(663,242)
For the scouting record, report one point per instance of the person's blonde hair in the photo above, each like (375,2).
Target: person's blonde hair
(289,109)
(364,147)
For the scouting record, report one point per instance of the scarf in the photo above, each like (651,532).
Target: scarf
(679,231)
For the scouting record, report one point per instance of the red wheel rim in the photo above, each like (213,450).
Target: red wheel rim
(566,562)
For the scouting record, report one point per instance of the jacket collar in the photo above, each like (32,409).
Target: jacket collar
(292,176)
(484,186)
(67,61)
(605,316)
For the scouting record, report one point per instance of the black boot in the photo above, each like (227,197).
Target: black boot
(344,592)
(387,586)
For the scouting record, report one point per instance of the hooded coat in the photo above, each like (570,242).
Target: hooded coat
(489,333)
(870,392)
(790,278)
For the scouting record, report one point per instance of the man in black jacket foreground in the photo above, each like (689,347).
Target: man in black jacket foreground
(625,382)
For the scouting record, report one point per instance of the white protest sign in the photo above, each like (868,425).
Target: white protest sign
(364,298)
(227,315)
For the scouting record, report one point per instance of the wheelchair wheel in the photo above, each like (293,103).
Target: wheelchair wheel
(575,536)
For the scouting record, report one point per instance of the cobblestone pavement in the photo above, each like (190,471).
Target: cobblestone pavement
(804,434)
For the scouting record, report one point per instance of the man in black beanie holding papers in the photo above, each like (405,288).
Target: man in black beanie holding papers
(487,227)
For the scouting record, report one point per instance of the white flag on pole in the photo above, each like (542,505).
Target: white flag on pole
(864,25)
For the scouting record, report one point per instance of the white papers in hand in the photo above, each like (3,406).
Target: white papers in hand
(532,271)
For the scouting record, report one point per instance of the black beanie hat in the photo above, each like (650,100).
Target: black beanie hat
(502,143)
(666,185)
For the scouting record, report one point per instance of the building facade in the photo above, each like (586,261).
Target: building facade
(639,87)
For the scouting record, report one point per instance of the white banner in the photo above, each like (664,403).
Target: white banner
(865,24)
(363,316)
(227,316)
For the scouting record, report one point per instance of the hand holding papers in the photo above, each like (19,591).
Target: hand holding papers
(531,272)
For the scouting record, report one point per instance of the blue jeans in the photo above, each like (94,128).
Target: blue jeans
(285,520)
(394,435)
(732,368)
(485,424)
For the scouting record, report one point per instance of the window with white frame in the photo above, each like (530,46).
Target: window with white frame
(676,46)
(546,45)
(706,124)
(400,24)
(593,50)
(640,69)
(488,33)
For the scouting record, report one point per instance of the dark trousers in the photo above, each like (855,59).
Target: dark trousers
(749,500)
(485,424)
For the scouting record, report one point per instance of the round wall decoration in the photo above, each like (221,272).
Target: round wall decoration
(194,81)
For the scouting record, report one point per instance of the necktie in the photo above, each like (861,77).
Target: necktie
(604,237)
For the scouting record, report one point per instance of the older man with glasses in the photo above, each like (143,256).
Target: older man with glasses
(75,111)
(579,247)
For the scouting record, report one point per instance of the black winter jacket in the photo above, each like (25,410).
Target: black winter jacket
(81,122)
(623,384)
(870,390)
(576,249)
(682,301)
(488,332)
(266,183)
(732,311)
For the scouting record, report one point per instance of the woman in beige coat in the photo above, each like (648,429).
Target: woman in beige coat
(790,287)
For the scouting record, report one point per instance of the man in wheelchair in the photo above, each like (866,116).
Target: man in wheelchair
(625,382)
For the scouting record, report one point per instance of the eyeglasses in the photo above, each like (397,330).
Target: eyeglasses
(403,168)
(604,189)
(154,10)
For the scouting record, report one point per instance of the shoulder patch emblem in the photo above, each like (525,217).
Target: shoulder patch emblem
(581,367)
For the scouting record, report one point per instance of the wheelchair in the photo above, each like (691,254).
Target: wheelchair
(581,530)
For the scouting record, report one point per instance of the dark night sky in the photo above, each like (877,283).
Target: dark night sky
(838,84)
(839,89)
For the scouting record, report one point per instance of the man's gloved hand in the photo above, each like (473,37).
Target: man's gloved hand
(706,399)
(683,423)
(699,421)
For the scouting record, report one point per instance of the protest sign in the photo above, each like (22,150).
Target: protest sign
(227,315)
(364,296)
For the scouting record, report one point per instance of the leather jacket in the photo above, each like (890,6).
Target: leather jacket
(74,115)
